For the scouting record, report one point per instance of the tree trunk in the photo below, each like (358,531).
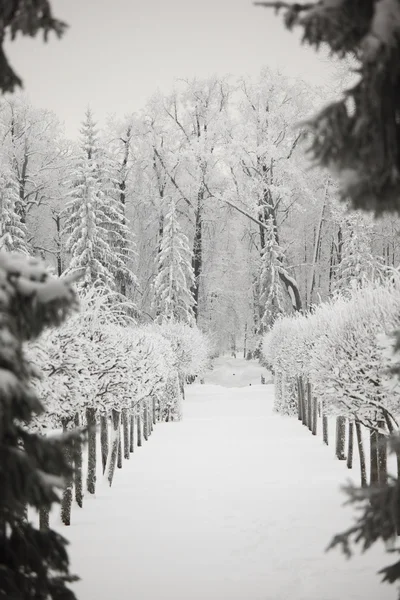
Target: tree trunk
(150,420)
(363,466)
(104,440)
(66,501)
(154,410)
(78,466)
(125,429)
(340,438)
(114,444)
(44,518)
(382,454)
(119,459)
(139,429)
(325,435)
(197,260)
(350,446)
(309,406)
(91,474)
(145,424)
(315,416)
(299,401)
(132,432)
(374,467)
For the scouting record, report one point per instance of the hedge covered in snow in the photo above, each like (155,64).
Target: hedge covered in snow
(341,348)
(101,368)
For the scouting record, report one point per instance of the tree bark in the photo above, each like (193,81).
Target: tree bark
(132,432)
(139,428)
(382,454)
(145,424)
(91,474)
(299,401)
(363,467)
(113,451)
(325,435)
(340,438)
(78,466)
(154,410)
(66,501)
(309,406)
(374,466)
(350,445)
(125,429)
(104,440)
(315,416)
(44,518)
(119,458)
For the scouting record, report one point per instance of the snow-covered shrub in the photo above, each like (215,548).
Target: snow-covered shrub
(348,364)
(338,348)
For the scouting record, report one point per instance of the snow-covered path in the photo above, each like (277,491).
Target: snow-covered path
(233,503)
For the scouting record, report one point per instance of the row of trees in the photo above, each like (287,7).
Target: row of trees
(99,369)
(338,361)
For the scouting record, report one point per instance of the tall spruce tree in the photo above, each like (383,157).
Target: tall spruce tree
(88,215)
(358,138)
(33,563)
(173,300)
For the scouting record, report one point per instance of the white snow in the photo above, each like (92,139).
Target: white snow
(232,503)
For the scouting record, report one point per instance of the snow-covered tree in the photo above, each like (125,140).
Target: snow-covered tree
(272,297)
(173,299)
(13,232)
(88,216)
(33,467)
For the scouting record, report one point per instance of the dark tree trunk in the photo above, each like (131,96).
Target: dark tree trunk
(325,433)
(139,428)
(197,261)
(66,502)
(299,401)
(104,440)
(374,466)
(154,410)
(119,460)
(350,445)
(309,406)
(115,420)
(340,438)
(91,474)
(78,465)
(363,466)
(132,432)
(145,424)
(125,428)
(382,454)
(44,518)
(315,416)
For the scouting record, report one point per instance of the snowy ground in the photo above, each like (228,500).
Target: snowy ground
(233,503)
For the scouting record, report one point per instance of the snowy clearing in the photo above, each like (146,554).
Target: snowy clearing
(232,503)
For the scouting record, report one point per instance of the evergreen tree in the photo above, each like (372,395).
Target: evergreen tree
(113,176)
(358,137)
(357,265)
(272,298)
(27,18)
(88,216)
(33,563)
(13,233)
(173,300)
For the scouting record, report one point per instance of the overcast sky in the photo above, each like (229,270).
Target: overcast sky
(116,53)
